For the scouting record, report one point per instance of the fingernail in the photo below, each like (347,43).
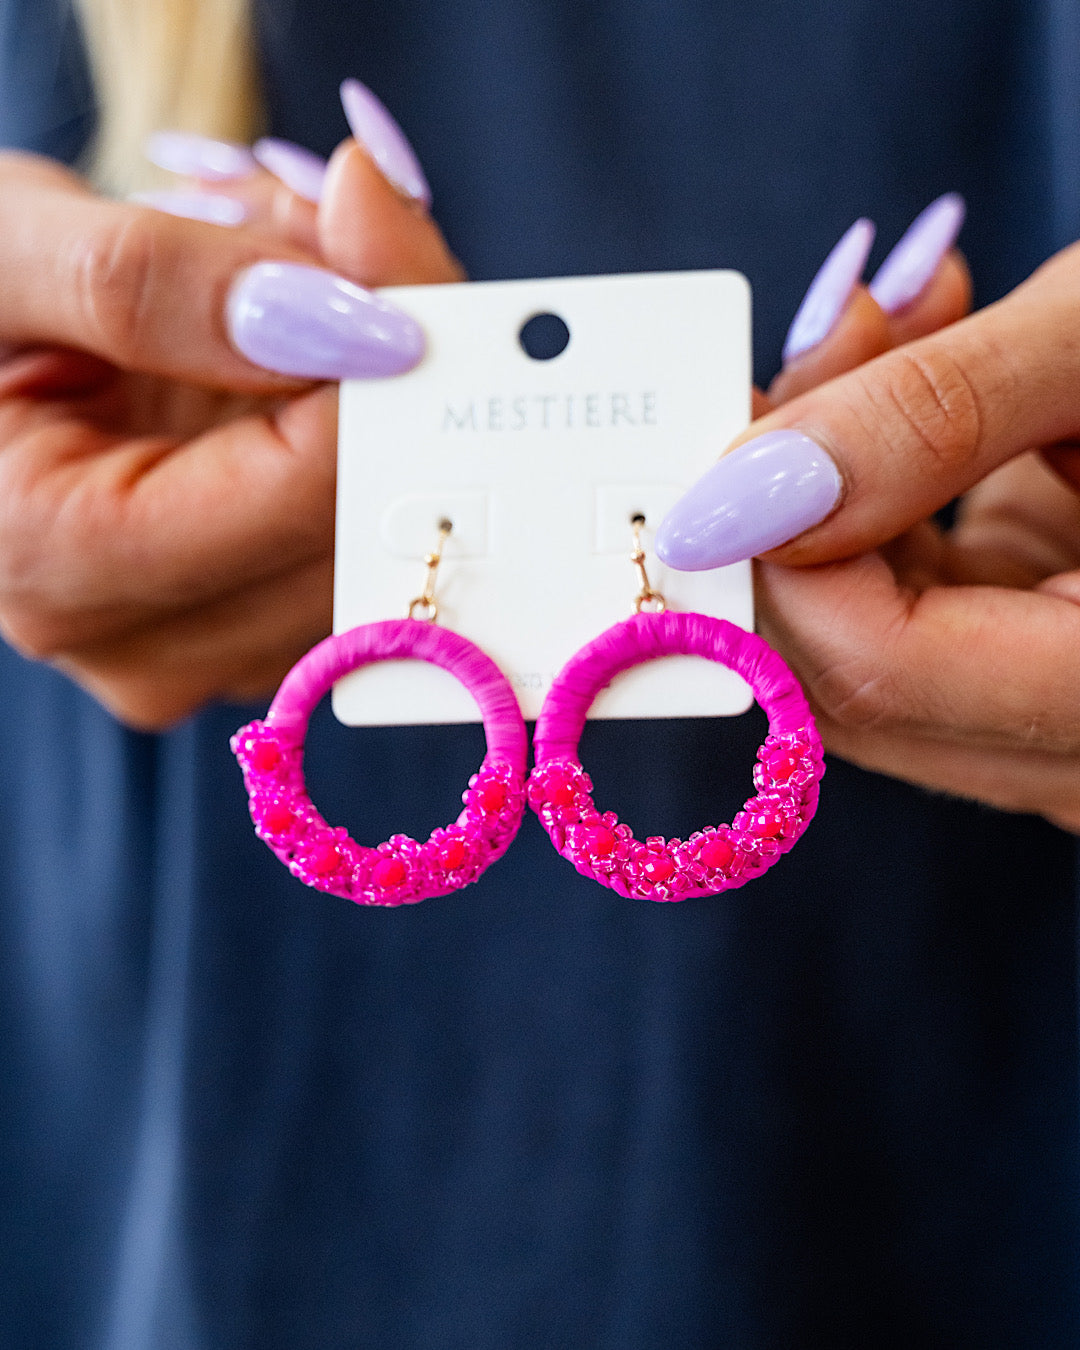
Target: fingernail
(831,289)
(199,156)
(207,206)
(759,496)
(915,259)
(299,169)
(384,140)
(306,322)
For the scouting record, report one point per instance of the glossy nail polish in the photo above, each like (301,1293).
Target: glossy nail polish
(913,262)
(755,498)
(303,321)
(202,157)
(208,206)
(298,168)
(384,140)
(831,289)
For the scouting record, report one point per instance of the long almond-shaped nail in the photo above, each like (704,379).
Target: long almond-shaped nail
(755,498)
(384,140)
(303,321)
(913,262)
(208,206)
(195,156)
(831,289)
(298,168)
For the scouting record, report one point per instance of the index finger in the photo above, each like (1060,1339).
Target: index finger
(151,292)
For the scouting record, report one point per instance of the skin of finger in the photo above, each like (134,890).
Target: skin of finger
(920,425)
(1064,460)
(980,665)
(861,333)
(274,209)
(1018,780)
(1018,527)
(295,219)
(237,647)
(916,557)
(53,372)
(54,387)
(99,534)
(372,233)
(19,169)
(141,289)
(760,403)
(1064,586)
(944,300)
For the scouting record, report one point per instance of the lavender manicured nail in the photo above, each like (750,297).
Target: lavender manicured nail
(384,140)
(299,169)
(915,259)
(195,156)
(303,321)
(208,206)
(759,496)
(829,292)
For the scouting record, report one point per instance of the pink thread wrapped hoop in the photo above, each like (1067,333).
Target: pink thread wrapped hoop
(400,871)
(717,858)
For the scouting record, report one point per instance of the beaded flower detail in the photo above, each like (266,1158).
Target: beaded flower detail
(716,858)
(400,871)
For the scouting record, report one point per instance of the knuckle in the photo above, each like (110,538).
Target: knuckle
(854,694)
(930,406)
(115,269)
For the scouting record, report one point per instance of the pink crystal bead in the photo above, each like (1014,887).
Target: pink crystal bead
(388,873)
(717,853)
(324,859)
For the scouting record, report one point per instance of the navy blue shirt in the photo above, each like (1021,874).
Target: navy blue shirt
(835,1109)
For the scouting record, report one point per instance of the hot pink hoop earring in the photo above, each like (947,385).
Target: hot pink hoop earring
(400,871)
(714,859)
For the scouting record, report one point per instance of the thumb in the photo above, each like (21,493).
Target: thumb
(859,460)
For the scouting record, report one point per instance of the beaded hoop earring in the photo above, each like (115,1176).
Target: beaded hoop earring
(400,871)
(714,859)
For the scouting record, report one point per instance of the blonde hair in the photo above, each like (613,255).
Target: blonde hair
(187,65)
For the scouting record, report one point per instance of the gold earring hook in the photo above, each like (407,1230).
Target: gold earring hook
(646,596)
(425,607)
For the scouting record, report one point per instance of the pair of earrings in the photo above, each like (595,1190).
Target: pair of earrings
(402,870)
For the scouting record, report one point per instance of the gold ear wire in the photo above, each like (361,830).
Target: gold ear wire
(646,596)
(425,602)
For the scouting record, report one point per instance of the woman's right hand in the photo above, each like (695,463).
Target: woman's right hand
(166,501)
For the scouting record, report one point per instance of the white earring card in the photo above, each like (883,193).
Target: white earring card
(540,466)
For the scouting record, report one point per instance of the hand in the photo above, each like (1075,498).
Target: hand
(166,503)
(942,657)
